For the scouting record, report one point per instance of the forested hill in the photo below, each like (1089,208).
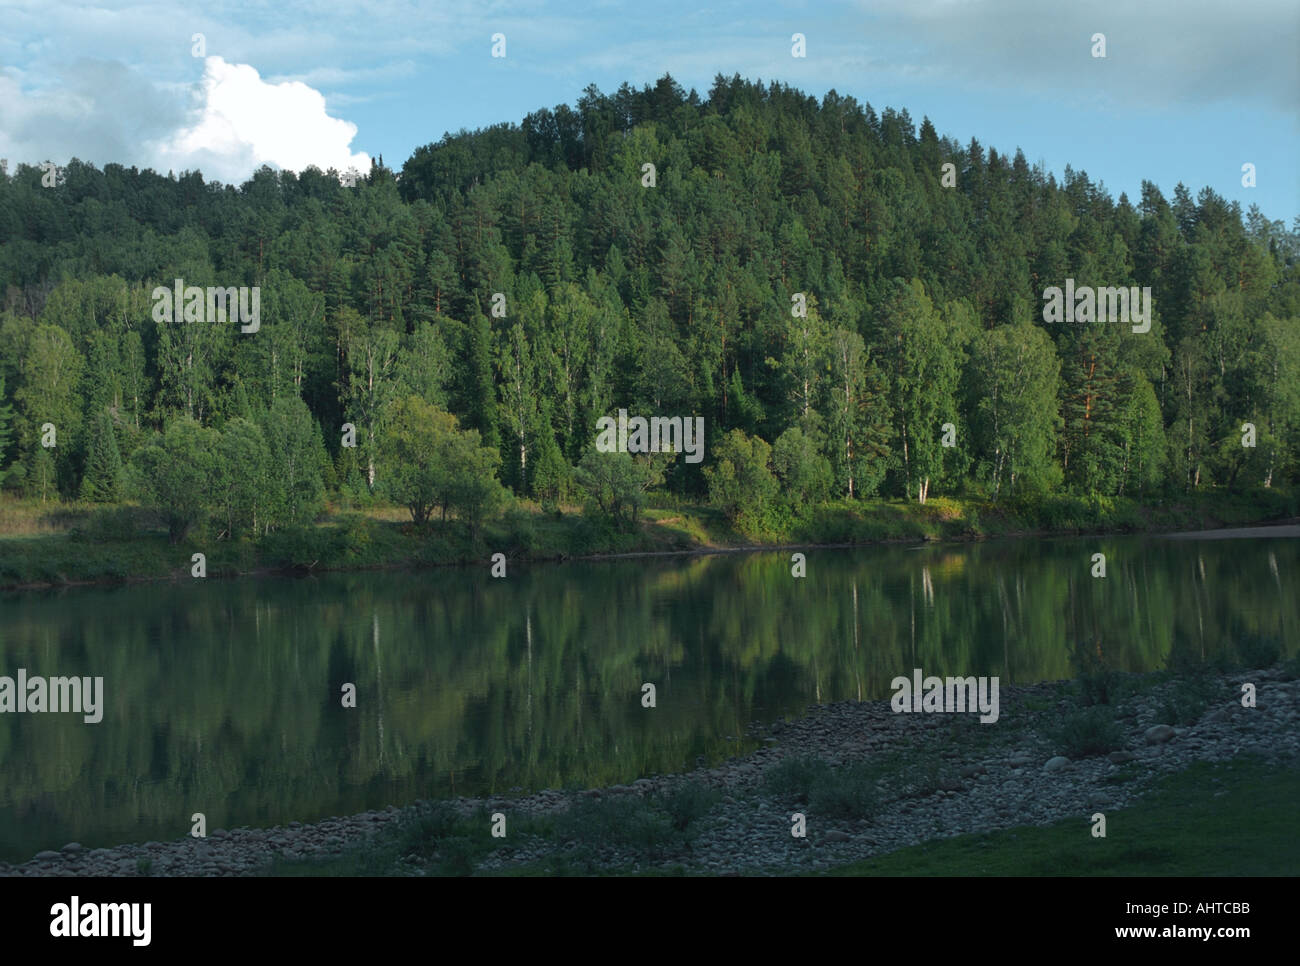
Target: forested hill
(672,291)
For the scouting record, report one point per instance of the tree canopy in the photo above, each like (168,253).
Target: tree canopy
(798,266)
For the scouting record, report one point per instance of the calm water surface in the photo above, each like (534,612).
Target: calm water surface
(223,697)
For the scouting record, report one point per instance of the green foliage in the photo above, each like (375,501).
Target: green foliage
(1146,443)
(51,384)
(1098,681)
(177,469)
(298,546)
(918,775)
(243,481)
(804,474)
(795,777)
(436,838)
(472,487)
(552,477)
(479,393)
(689,803)
(921,353)
(1015,372)
(6,427)
(858,426)
(799,278)
(1180,707)
(623,820)
(845,792)
(430,462)
(416,436)
(1258,651)
(615,484)
(521,532)
(423,832)
(356,536)
(1191,693)
(741,483)
(297,489)
(102,481)
(40,476)
(114,524)
(1085,734)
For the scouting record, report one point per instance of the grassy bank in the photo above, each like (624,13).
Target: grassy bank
(44,545)
(1234,818)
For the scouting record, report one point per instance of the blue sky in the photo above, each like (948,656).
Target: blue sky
(1188,91)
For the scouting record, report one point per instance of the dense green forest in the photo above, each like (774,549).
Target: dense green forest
(674,291)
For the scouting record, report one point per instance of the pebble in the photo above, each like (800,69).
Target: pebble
(1158,734)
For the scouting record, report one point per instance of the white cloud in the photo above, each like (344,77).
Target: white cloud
(242,122)
(104,111)
(92,109)
(1160,53)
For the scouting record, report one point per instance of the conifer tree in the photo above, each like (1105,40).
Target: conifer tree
(102,481)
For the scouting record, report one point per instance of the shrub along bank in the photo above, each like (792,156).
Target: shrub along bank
(42,545)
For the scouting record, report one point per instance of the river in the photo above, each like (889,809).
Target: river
(226,697)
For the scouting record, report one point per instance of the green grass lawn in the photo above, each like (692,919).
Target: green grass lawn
(1230,819)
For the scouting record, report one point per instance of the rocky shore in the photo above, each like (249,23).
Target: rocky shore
(948,775)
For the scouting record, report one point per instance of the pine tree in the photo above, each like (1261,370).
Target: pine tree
(102,482)
(6,426)
(480,389)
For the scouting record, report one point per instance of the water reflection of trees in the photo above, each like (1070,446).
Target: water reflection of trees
(223,697)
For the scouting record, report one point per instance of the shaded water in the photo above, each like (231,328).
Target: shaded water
(223,696)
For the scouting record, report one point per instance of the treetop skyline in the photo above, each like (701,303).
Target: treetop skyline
(1183,94)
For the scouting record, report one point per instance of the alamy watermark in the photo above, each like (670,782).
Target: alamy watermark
(953,695)
(213,304)
(658,434)
(75,919)
(84,696)
(1086,304)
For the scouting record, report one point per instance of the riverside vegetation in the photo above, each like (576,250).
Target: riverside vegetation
(78,542)
(858,338)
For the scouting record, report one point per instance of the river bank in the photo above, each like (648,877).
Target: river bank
(88,546)
(868,781)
